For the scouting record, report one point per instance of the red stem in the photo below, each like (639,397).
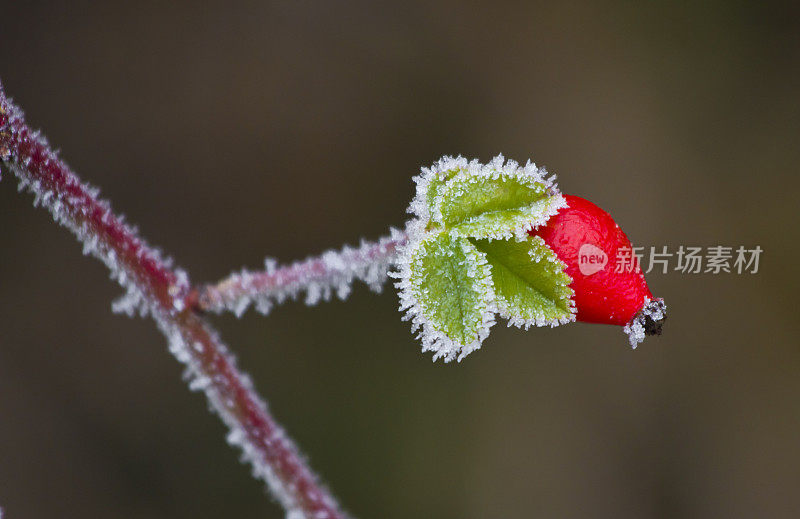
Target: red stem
(165,293)
(321,276)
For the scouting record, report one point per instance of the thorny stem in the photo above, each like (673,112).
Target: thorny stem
(317,276)
(162,292)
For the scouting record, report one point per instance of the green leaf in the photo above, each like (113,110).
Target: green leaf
(530,285)
(436,184)
(459,266)
(511,223)
(450,294)
(494,204)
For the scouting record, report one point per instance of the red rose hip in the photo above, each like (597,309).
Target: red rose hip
(608,283)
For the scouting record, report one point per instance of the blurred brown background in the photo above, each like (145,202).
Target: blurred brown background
(230,131)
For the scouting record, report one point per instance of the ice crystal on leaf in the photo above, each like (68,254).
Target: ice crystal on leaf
(448,294)
(469,256)
(494,203)
(530,286)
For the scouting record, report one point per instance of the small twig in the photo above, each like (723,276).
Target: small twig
(155,288)
(318,277)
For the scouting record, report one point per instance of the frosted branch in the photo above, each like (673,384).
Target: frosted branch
(154,287)
(317,278)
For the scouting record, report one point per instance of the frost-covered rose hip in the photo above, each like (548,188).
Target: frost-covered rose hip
(499,241)
(609,287)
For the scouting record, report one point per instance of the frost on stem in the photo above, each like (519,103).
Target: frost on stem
(469,256)
(282,468)
(155,288)
(103,234)
(316,278)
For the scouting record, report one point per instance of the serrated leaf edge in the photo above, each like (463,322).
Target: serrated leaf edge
(530,172)
(419,205)
(494,170)
(432,339)
(514,320)
(420,228)
(540,212)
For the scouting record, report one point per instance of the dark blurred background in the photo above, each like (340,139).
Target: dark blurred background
(231,131)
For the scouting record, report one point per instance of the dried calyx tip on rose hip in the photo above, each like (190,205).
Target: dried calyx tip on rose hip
(609,285)
(500,239)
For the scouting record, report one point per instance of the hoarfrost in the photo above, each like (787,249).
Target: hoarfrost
(414,307)
(130,304)
(316,279)
(71,213)
(452,178)
(646,322)
(450,171)
(224,407)
(537,255)
(75,206)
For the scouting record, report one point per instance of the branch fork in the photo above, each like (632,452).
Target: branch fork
(156,288)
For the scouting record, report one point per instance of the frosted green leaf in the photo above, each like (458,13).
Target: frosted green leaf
(495,204)
(468,255)
(530,285)
(509,223)
(449,294)
(437,184)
